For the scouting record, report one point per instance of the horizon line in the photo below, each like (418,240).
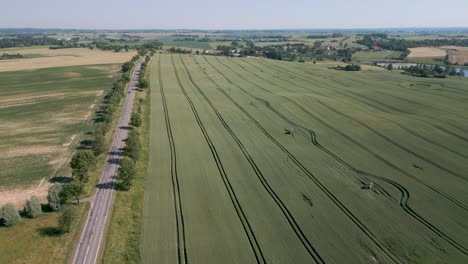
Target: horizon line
(239,29)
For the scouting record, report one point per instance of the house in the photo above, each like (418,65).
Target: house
(376,48)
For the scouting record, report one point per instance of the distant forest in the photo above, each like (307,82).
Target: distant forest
(28,40)
(384,42)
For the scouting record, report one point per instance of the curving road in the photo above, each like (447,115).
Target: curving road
(87,250)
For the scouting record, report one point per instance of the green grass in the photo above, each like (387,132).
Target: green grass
(376,55)
(43,116)
(225,177)
(427,60)
(123,239)
(170,41)
(38,240)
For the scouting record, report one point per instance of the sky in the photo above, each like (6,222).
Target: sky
(239,14)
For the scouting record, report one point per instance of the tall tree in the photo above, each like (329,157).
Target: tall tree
(81,163)
(73,190)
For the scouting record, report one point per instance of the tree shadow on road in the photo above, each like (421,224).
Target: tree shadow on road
(115,153)
(114,161)
(105,185)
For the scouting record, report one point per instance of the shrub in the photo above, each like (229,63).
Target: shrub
(136,120)
(54,197)
(9,215)
(33,207)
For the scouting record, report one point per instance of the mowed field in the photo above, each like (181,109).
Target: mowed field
(226,184)
(44,114)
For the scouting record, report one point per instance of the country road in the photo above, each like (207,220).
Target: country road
(87,250)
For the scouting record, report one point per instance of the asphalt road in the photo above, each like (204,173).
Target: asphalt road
(87,250)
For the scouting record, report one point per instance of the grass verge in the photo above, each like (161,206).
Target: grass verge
(38,240)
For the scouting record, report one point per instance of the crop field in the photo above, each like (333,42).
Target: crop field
(426,52)
(376,55)
(262,161)
(457,54)
(39,58)
(43,115)
(172,41)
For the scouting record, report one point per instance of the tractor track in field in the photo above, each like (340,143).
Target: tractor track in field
(277,68)
(317,182)
(405,194)
(289,217)
(421,104)
(399,145)
(312,137)
(421,136)
(430,91)
(383,110)
(448,89)
(180,226)
(453,200)
(227,184)
(427,160)
(452,133)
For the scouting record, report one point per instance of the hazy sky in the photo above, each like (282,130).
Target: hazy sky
(239,14)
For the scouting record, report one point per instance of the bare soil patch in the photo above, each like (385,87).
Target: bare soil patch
(19,196)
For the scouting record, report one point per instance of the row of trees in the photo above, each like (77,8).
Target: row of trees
(22,40)
(430,71)
(60,196)
(108,45)
(349,67)
(8,56)
(127,171)
(142,80)
(383,41)
(179,50)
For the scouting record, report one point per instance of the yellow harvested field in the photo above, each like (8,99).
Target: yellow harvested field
(456,48)
(457,54)
(62,57)
(426,52)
